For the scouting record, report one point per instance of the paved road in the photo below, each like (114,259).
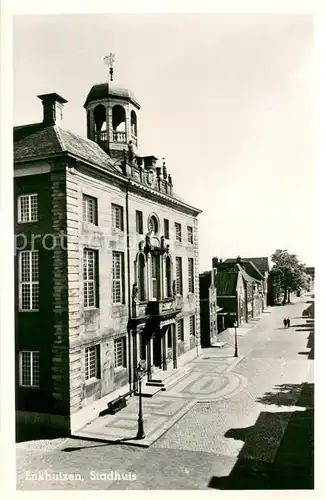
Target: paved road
(260,438)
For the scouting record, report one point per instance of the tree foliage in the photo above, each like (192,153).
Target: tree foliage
(288,273)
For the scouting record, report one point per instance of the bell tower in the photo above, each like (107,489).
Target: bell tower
(112,115)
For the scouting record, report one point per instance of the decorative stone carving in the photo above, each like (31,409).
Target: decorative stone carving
(162,241)
(141,246)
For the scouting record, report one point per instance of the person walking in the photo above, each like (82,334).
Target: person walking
(288,322)
(285,322)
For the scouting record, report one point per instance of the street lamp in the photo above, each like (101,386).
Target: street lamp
(140,372)
(235,324)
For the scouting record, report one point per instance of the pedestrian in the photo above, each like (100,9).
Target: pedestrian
(284,322)
(288,322)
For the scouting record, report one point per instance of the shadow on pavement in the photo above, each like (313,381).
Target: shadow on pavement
(32,432)
(292,466)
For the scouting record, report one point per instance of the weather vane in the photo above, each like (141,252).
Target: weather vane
(109,60)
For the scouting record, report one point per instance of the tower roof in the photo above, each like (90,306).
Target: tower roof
(100,91)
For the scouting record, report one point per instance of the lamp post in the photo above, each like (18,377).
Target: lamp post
(235,340)
(140,372)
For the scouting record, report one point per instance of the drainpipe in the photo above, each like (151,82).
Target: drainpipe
(128,284)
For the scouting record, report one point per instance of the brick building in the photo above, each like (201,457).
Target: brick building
(106,260)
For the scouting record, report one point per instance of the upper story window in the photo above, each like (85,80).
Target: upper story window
(191,275)
(117,217)
(29,368)
(166,229)
(178,271)
(92,362)
(153,224)
(29,280)
(117,277)
(155,277)
(168,277)
(139,222)
(90,278)
(178,234)
(190,234)
(89,209)
(141,277)
(28,208)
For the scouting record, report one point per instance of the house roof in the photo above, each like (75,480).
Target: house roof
(103,90)
(32,142)
(226,282)
(261,263)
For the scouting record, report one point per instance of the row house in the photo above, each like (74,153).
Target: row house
(106,264)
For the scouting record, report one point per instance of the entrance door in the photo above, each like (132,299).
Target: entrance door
(157,350)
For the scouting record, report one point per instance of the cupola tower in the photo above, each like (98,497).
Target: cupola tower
(112,117)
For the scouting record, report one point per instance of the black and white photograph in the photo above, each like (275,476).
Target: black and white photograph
(163,259)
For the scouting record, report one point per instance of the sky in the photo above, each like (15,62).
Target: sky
(227,100)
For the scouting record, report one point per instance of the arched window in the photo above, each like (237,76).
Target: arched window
(153,225)
(119,123)
(133,122)
(100,123)
(141,277)
(168,277)
(99,118)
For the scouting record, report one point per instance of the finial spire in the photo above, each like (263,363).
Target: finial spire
(109,61)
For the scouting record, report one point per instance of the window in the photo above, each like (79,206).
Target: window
(29,280)
(190,234)
(192,329)
(120,352)
(28,208)
(178,232)
(178,283)
(29,368)
(180,336)
(117,277)
(117,217)
(166,229)
(90,278)
(155,277)
(139,222)
(168,277)
(141,277)
(89,209)
(153,225)
(191,275)
(92,362)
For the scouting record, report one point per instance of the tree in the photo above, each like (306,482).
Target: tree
(288,273)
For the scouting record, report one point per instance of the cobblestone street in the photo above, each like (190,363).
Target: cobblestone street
(259,437)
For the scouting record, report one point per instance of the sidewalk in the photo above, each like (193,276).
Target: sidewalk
(207,378)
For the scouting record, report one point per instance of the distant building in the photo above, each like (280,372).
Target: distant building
(211,315)
(107,260)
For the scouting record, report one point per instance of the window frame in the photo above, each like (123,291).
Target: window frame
(119,280)
(123,363)
(192,325)
(166,224)
(191,275)
(139,222)
(117,208)
(32,283)
(92,372)
(31,369)
(178,279)
(87,281)
(86,199)
(30,219)
(190,232)
(178,232)
(180,323)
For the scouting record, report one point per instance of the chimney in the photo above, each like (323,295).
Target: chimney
(52,108)
(215,262)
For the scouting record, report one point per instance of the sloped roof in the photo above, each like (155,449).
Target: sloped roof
(103,90)
(52,140)
(226,282)
(261,263)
